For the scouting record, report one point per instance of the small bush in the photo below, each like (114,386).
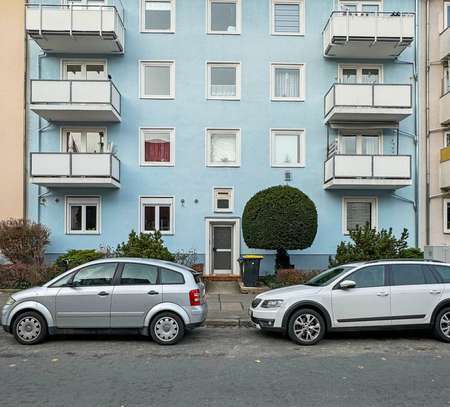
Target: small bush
(411,253)
(370,244)
(74,258)
(145,245)
(21,275)
(287,277)
(23,241)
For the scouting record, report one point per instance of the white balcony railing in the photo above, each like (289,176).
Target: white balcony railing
(368,34)
(72,28)
(83,169)
(444,44)
(79,100)
(382,171)
(444,107)
(368,102)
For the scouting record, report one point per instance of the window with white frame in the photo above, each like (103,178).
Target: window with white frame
(224,16)
(447,139)
(223,147)
(224,80)
(158,16)
(157,214)
(360,74)
(84,140)
(446,216)
(223,199)
(288,17)
(157,79)
(361,6)
(287,148)
(84,70)
(359,212)
(82,215)
(157,146)
(446,14)
(360,143)
(288,82)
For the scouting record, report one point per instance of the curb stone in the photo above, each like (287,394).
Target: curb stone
(230,322)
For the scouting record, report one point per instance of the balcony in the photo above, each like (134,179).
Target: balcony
(367,171)
(75,101)
(444,108)
(368,35)
(444,44)
(444,169)
(355,102)
(99,170)
(77,29)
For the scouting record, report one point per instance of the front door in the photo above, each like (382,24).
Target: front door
(136,293)
(368,304)
(87,302)
(222,249)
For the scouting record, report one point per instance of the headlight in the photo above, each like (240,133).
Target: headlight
(10,301)
(272,303)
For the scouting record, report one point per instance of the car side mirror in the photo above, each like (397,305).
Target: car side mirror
(346,284)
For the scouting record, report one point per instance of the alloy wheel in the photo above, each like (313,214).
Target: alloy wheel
(444,324)
(306,327)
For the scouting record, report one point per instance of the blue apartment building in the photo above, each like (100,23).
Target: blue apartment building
(170,115)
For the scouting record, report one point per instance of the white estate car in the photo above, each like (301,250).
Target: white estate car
(371,295)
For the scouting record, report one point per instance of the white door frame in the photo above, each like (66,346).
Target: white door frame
(236,222)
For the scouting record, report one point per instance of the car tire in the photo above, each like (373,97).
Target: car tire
(306,327)
(167,328)
(29,328)
(441,326)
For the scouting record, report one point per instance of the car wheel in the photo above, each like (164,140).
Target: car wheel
(306,327)
(167,328)
(30,328)
(442,325)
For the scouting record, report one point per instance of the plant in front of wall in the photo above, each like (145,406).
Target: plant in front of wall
(371,244)
(280,218)
(74,258)
(145,245)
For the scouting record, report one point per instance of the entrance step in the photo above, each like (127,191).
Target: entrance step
(222,287)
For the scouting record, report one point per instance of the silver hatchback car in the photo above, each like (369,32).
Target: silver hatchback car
(150,297)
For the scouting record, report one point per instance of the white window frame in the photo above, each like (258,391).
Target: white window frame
(230,190)
(301,4)
(360,3)
(143,64)
(446,136)
(208,133)
(301,67)
(359,135)
(446,4)
(83,201)
(302,146)
(372,200)
(359,68)
(157,201)
(64,130)
(237,66)
(238,17)
(445,202)
(83,62)
(142,161)
(172,28)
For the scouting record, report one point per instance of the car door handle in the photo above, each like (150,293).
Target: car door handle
(103,294)
(153,292)
(435,291)
(383,294)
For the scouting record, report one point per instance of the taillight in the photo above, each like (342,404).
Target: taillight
(194,297)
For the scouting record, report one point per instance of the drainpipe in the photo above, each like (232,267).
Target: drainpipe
(25,126)
(427,123)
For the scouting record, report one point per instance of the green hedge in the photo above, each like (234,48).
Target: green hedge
(74,258)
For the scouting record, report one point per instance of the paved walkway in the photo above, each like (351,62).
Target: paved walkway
(226,305)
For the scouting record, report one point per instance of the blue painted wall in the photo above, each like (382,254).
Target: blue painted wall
(190,113)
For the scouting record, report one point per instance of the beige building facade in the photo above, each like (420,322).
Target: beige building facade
(12,109)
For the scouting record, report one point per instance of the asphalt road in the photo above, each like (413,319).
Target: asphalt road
(227,367)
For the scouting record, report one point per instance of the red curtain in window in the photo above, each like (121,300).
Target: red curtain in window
(157,151)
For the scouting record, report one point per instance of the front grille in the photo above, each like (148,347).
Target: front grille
(256,302)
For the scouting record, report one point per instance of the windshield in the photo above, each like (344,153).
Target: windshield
(328,276)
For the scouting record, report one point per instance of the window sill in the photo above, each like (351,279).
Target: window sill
(300,34)
(163,233)
(158,97)
(84,233)
(157,164)
(223,98)
(223,165)
(273,99)
(287,166)
(223,33)
(157,31)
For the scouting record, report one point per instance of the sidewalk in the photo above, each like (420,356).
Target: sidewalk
(227,306)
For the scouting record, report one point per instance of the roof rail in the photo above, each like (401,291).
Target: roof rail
(406,259)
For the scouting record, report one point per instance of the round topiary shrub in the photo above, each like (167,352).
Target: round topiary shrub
(280,217)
